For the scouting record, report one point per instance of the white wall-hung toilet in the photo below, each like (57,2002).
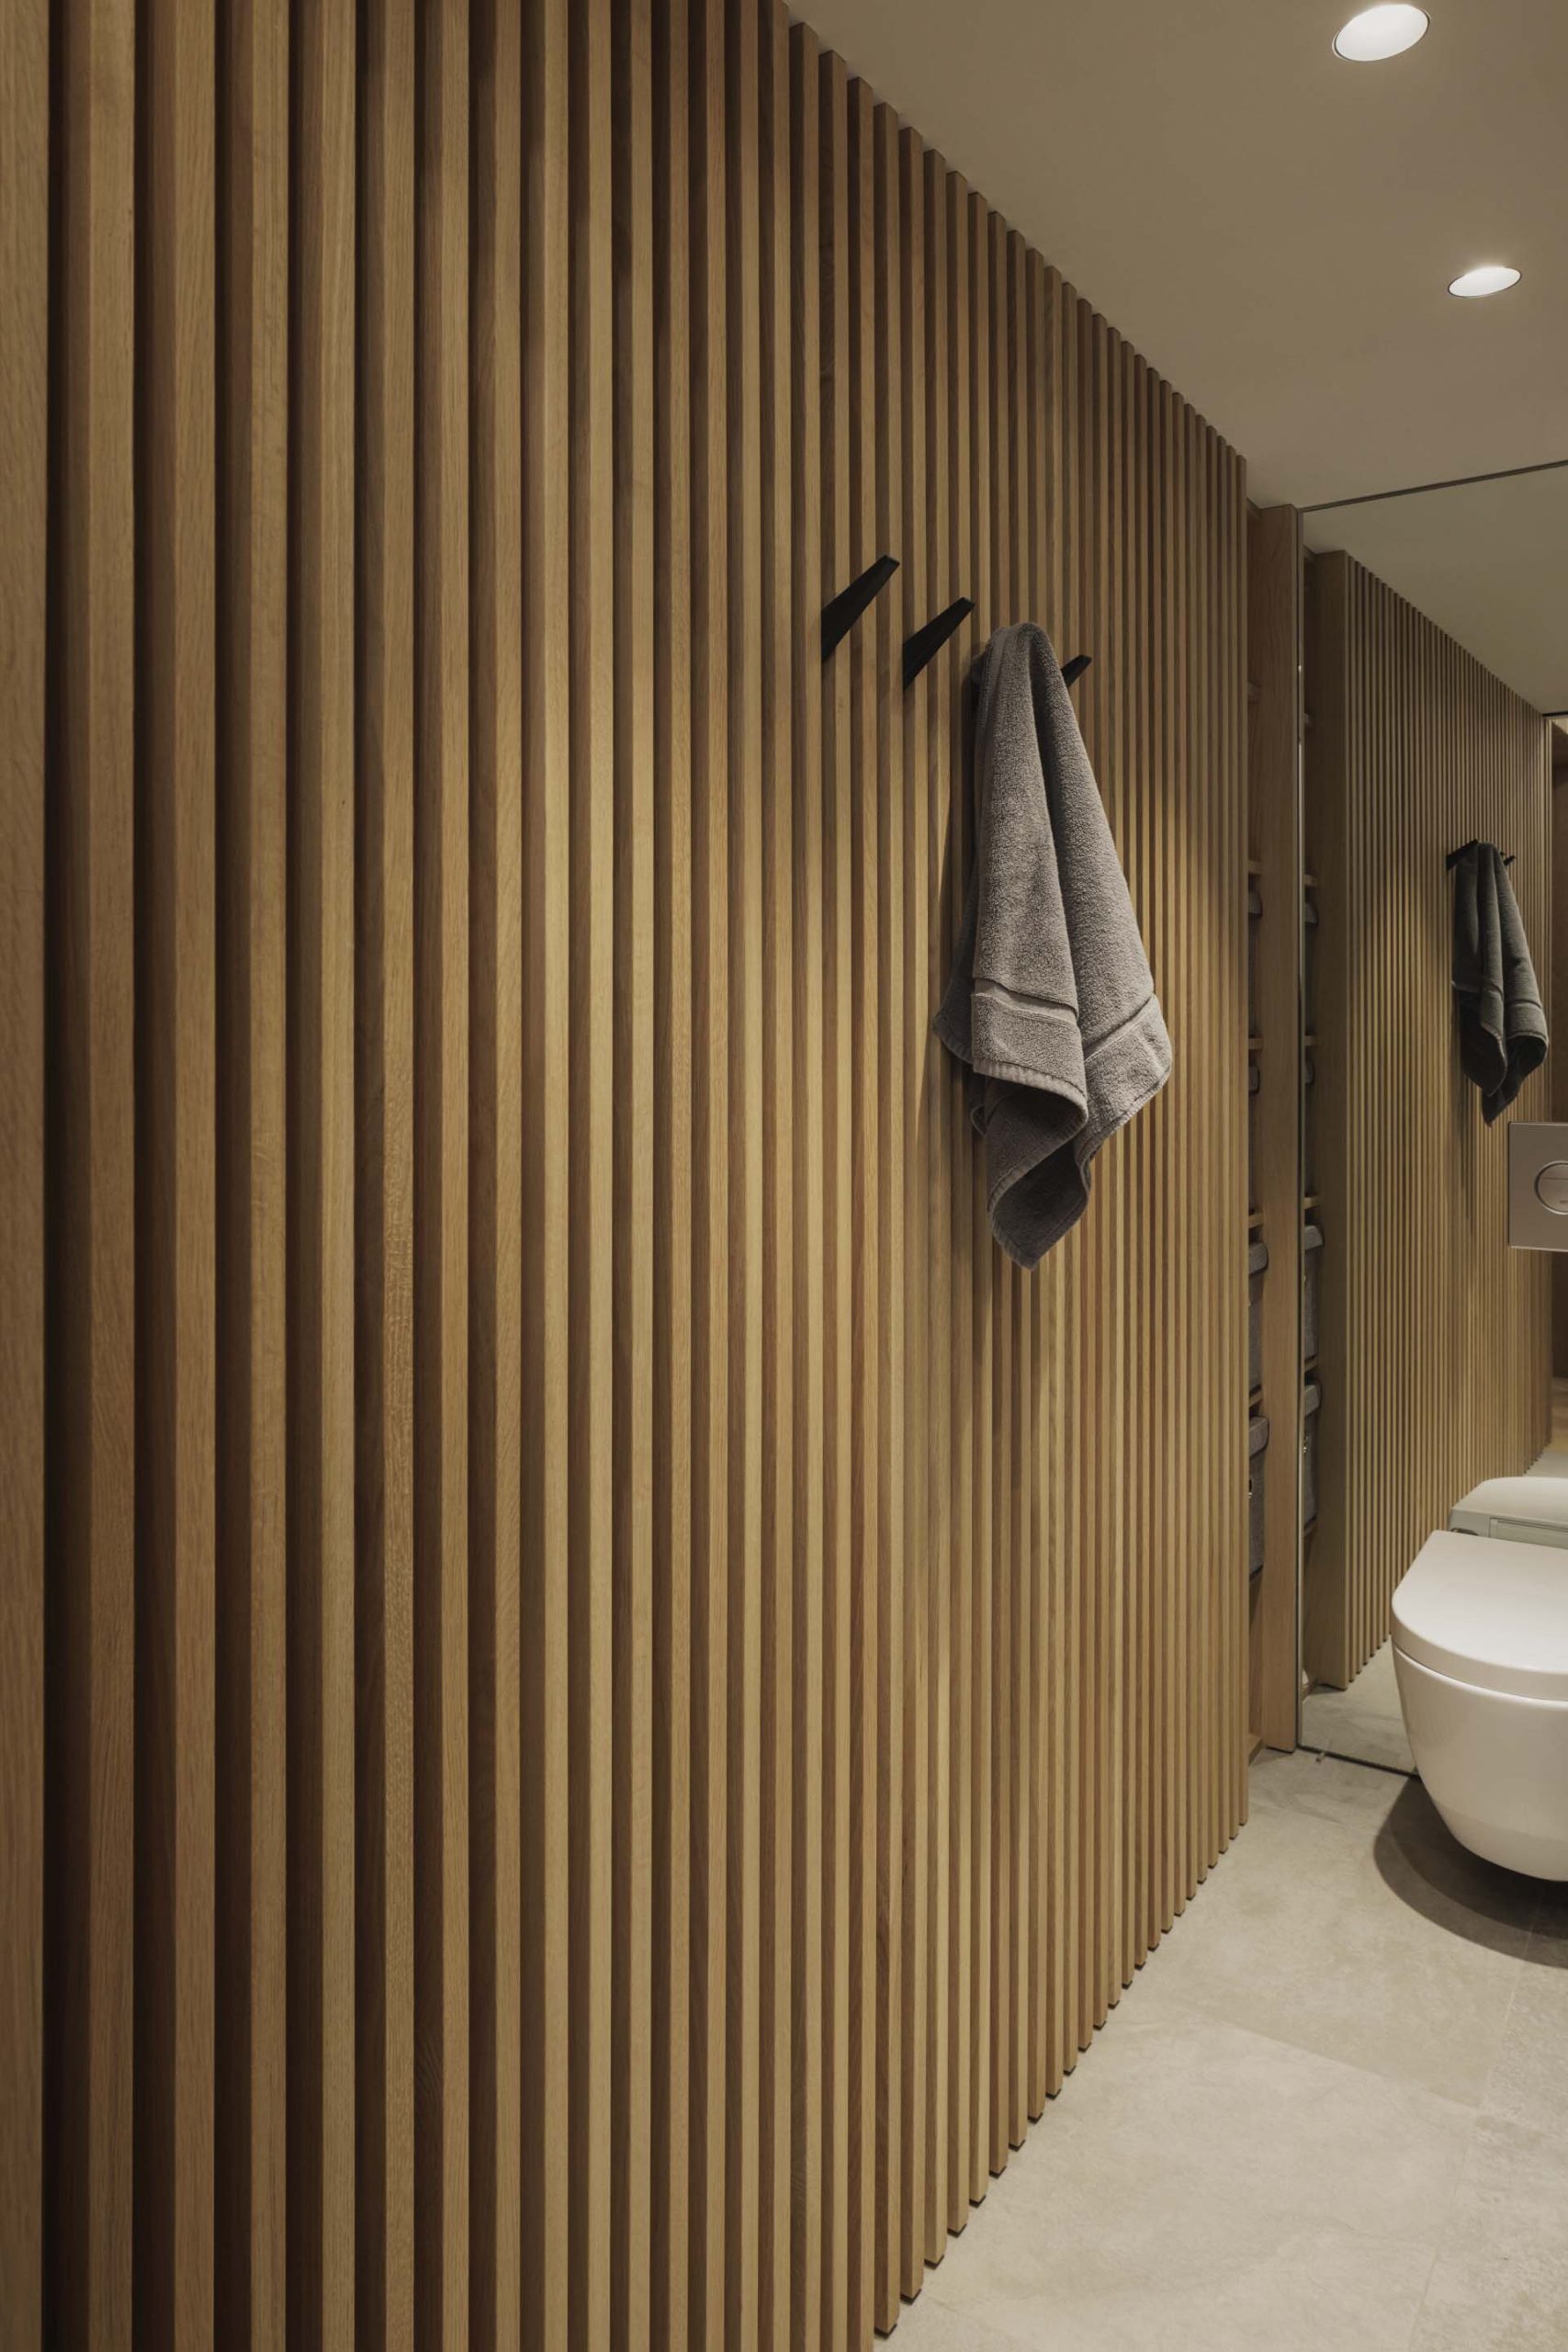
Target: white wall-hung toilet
(1517,1510)
(1481,1656)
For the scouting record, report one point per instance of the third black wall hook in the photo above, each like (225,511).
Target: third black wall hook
(919,649)
(839,615)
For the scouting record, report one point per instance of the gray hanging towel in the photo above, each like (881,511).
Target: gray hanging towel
(1050,1001)
(1501,1028)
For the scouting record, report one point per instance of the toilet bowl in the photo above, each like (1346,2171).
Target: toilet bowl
(1517,1510)
(1481,1656)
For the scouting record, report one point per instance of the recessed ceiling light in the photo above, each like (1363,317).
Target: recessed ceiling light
(1378,33)
(1495,277)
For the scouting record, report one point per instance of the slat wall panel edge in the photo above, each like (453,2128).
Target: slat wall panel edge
(607,1696)
(1275,728)
(24,508)
(1415,747)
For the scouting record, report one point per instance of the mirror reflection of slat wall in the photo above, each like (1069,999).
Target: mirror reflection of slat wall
(610,1696)
(1436,1340)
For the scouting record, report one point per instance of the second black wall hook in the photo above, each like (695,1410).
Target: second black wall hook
(839,615)
(919,649)
(1076,668)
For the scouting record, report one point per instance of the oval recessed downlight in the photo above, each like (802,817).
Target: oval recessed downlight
(1493,278)
(1378,33)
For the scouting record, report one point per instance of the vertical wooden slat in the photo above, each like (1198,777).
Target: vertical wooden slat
(90,1178)
(710,1163)
(960,849)
(633,1304)
(176,1080)
(1275,725)
(321,1170)
(778,659)
(918,2032)
(1026,1480)
(745,1106)
(837,2191)
(384,1097)
(250,1336)
(897,1160)
(589,1102)
(672,1566)
(994,501)
(545,1993)
(941,1088)
(861,785)
(973,545)
(24,451)
(495,1220)
(807,1174)
(441,841)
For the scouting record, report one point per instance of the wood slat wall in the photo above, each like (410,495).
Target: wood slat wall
(1276,727)
(1436,1337)
(599,1697)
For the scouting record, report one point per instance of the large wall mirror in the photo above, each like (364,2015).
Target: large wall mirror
(1436,652)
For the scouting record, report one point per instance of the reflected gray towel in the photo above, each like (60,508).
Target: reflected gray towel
(1050,1001)
(1501,1028)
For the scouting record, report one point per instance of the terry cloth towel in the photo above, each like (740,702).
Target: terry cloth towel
(1050,1001)
(1501,1028)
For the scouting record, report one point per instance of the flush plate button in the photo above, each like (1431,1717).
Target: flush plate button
(1537,1184)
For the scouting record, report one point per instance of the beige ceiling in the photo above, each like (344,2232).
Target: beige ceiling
(1274,228)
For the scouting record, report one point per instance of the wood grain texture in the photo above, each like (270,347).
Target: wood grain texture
(384,1205)
(90,1266)
(544,1640)
(320,1241)
(632,1763)
(627,1692)
(442,817)
(24,508)
(1276,731)
(250,2121)
(1426,1386)
(495,1218)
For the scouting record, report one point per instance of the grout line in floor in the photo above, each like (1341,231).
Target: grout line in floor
(1367,1763)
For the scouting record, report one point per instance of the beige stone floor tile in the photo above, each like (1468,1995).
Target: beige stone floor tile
(1218,2188)
(930,2326)
(1331,2114)
(1346,1920)
(1500,2283)
(1529,2085)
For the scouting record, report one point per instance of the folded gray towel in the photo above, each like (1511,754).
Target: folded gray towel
(1502,1027)
(1050,1001)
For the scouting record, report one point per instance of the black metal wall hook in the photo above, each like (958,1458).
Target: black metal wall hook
(919,649)
(1075,669)
(1464,849)
(839,615)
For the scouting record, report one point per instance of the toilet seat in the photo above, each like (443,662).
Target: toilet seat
(1524,1511)
(1489,1613)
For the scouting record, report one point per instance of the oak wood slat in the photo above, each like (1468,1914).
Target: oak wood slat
(24,511)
